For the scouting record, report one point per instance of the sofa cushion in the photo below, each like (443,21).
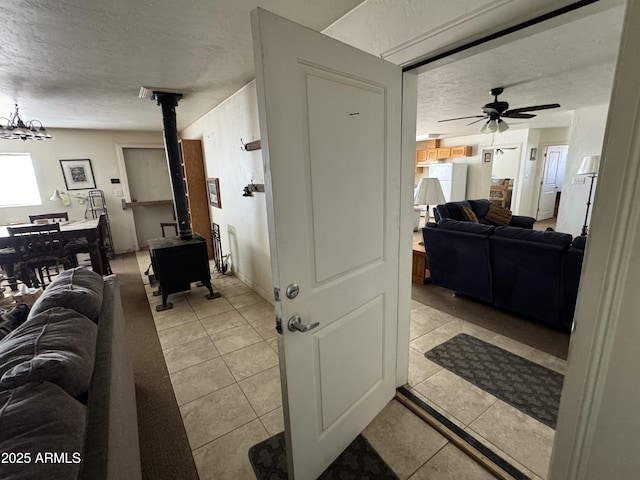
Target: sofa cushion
(550,238)
(480,207)
(39,418)
(78,289)
(498,215)
(57,345)
(467,227)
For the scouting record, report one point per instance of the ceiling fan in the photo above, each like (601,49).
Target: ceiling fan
(494,111)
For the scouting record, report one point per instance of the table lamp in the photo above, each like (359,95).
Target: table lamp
(428,192)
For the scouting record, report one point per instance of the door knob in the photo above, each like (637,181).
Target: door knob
(295,324)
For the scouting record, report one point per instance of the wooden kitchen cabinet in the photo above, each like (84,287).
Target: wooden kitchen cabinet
(434,154)
(195,182)
(461,151)
(444,152)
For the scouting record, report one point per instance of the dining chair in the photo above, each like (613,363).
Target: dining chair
(38,247)
(49,217)
(103,233)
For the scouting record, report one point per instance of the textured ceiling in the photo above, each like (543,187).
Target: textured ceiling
(572,65)
(81,63)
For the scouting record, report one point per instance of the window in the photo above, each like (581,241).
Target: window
(18,186)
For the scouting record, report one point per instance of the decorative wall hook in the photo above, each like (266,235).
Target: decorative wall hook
(252,187)
(248,147)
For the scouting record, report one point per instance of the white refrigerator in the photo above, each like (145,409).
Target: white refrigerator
(453,179)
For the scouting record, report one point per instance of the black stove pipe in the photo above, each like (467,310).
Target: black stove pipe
(169,101)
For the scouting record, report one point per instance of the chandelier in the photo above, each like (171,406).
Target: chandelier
(17,129)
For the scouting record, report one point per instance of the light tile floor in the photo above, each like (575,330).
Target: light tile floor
(222,358)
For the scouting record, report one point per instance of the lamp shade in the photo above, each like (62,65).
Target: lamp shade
(56,196)
(589,165)
(428,192)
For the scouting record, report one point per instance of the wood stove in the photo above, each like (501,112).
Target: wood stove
(177,261)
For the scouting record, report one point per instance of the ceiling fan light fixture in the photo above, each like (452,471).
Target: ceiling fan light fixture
(15,128)
(489,127)
(502,126)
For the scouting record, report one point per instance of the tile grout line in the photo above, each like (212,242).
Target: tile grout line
(221,355)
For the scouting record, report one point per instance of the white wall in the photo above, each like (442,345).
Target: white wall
(100,148)
(478,172)
(587,137)
(242,220)
(528,188)
(526,172)
(505,164)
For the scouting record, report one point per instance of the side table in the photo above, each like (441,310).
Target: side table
(419,264)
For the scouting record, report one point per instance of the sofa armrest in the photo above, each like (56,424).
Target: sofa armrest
(111,450)
(522,221)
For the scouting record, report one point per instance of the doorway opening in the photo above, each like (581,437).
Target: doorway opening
(149,190)
(550,195)
(525,168)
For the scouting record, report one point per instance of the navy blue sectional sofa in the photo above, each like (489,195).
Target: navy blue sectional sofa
(531,273)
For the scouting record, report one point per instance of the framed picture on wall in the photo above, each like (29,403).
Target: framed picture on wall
(534,154)
(487,157)
(78,174)
(213,184)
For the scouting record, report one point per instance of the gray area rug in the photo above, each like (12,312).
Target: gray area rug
(527,386)
(358,462)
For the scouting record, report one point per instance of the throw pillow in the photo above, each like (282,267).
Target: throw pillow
(12,318)
(468,214)
(498,215)
(57,345)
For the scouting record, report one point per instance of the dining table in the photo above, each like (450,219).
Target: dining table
(72,230)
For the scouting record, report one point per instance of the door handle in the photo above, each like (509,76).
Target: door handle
(295,324)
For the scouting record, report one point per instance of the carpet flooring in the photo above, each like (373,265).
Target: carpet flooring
(164,448)
(527,386)
(538,336)
(359,461)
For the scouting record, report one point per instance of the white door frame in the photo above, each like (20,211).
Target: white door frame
(409,111)
(124,182)
(598,421)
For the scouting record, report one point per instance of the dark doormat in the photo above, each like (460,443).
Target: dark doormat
(358,462)
(527,386)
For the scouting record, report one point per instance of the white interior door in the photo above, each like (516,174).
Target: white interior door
(330,118)
(550,183)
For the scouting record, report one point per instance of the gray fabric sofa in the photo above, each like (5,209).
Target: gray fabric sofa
(67,395)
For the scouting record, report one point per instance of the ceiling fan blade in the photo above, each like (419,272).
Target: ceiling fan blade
(533,108)
(476,121)
(518,115)
(462,118)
